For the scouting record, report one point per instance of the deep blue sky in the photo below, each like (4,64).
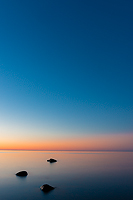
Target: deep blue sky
(66,67)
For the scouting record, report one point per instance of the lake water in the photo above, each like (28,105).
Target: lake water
(76,175)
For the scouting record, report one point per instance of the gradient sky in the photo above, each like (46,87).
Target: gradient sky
(66,71)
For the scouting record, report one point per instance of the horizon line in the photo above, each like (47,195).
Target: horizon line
(63,150)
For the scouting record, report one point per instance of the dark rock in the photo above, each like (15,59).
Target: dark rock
(51,160)
(22,173)
(46,188)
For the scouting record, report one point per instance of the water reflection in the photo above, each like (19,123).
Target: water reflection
(76,175)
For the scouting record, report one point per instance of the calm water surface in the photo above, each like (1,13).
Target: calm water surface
(76,175)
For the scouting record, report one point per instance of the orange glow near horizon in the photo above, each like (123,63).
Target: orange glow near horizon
(99,142)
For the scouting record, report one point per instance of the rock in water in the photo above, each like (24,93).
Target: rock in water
(51,160)
(22,173)
(46,188)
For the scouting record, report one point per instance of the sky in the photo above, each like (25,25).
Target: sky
(66,71)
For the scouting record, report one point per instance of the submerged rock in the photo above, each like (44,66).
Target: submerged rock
(22,173)
(51,160)
(46,188)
